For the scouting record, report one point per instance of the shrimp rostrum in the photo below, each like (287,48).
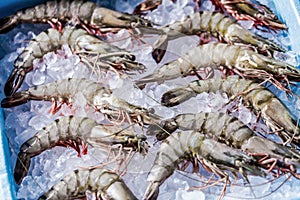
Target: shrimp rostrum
(227,129)
(75,132)
(91,50)
(104,183)
(264,103)
(240,60)
(95,19)
(96,94)
(216,24)
(192,144)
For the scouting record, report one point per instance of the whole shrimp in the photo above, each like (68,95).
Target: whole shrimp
(104,183)
(241,60)
(96,94)
(74,131)
(229,130)
(252,10)
(95,19)
(192,144)
(87,47)
(217,25)
(274,113)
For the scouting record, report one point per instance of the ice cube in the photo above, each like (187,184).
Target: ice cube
(203,103)
(24,191)
(90,195)
(39,121)
(247,24)
(66,110)
(207,5)
(38,78)
(188,10)
(50,58)
(94,114)
(182,3)
(20,50)
(245,115)
(66,50)
(31,35)
(24,136)
(190,195)
(39,64)
(12,57)
(261,185)
(20,37)
(82,71)
(122,39)
(115,82)
(126,6)
(164,111)
(10,120)
(217,101)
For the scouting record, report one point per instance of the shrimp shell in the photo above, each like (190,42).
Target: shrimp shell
(86,13)
(189,144)
(218,25)
(74,131)
(273,112)
(63,91)
(237,58)
(87,47)
(230,131)
(106,184)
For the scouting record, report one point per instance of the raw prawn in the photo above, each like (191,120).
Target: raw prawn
(217,25)
(232,132)
(104,183)
(190,144)
(95,19)
(90,49)
(74,131)
(241,60)
(252,10)
(273,112)
(96,94)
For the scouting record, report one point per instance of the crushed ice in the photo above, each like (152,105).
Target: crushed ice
(63,64)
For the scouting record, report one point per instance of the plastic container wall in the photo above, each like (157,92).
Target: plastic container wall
(288,9)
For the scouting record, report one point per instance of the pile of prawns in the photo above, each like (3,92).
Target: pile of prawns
(219,142)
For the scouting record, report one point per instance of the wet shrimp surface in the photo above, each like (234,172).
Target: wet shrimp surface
(24,121)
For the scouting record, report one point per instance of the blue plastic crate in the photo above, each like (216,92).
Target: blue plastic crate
(288,9)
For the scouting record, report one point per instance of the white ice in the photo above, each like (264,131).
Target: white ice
(47,168)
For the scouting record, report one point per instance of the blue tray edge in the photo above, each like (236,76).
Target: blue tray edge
(290,12)
(6,167)
(292,19)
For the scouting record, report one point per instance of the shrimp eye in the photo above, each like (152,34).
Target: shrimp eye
(134,24)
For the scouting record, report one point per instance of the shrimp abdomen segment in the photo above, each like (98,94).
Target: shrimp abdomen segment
(104,183)
(58,132)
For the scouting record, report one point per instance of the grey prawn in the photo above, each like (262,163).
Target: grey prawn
(263,102)
(96,94)
(276,158)
(240,60)
(216,24)
(194,145)
(74,131)
(89,15)
(91,50)
(104,183)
